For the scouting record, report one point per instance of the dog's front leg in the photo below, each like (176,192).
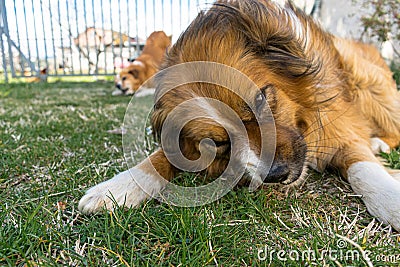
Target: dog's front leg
(379,190)
(131,187)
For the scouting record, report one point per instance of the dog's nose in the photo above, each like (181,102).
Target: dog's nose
(118,85)
(279,172)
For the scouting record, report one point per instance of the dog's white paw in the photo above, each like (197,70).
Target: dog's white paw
(128,189)
(378,146)
(117,92)
(380,191)
(145,92)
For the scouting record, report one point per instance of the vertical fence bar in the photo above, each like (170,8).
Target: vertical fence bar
(172,12)
(162,13)
(3,53)
(188,13)
(121,40)
(44,37)
(18,36)
(145,19)
(137,29)
(129,30)
(5,31)
(98,47)
(78,38)
(52,38)
(70,39)
(36,39)
(154,15)
(61,37)
(27,37)
(86,31)
(112,35)
(103,40)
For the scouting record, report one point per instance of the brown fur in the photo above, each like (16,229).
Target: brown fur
(146,65)
(328,95)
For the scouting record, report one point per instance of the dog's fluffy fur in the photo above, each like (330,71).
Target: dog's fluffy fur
(334,104)
(145,66)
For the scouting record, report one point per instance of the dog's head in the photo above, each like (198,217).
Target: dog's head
(159,39)
(131,78)
(264,42)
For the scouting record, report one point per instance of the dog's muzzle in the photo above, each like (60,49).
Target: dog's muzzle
(123,90)
(278,173)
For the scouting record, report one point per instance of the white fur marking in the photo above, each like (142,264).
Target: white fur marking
(122,189)
(380,191)
(138,63)
(208,107)
(252,158)
(117,92)
(377,146)
(252,162)
(145,92)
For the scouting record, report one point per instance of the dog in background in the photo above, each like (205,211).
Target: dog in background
(145,66)
(35,79)
(334,104)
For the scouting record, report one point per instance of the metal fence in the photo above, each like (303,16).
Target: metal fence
(43,38)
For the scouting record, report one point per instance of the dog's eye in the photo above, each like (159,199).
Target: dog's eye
(212,142)
(123,78)
(260,101)
(220,146)
(221,143)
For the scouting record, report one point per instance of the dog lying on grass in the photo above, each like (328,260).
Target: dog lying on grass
(333,101)
(145,66)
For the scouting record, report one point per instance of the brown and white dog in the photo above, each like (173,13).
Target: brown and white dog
(333,101)
(143,67)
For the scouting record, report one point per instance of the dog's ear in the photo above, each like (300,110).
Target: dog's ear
(278,36)
(134,73)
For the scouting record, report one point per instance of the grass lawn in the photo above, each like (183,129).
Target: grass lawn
(55,144)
